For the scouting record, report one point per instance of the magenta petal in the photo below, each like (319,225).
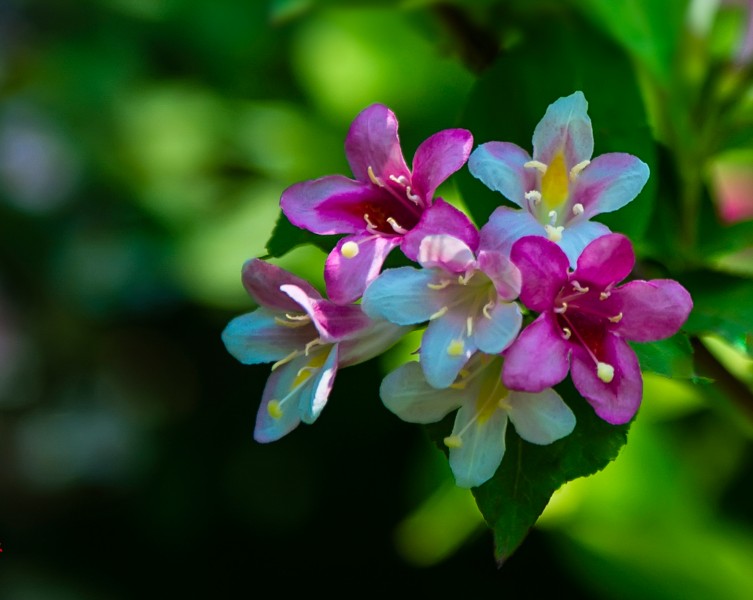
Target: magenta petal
(617,401)
(333,321)
(328,205)
(262,281)
(538,358)
(440,218)
(438,157)
(543,268)
(347,278)
(605,261)
(372,141)
(651,310)
(609,182)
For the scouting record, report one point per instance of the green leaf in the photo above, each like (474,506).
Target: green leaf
(721,305)
(511,97)
(515,497)
(286,236)
(672,357)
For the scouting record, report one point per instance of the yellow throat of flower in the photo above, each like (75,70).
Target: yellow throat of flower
(555,184)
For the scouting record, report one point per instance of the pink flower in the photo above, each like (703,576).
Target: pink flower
(385,206)
(585,321)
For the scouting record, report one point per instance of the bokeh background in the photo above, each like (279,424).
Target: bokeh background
(144,145)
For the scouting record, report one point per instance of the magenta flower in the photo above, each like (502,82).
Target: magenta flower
(385,206)
(306,337)
(585,321)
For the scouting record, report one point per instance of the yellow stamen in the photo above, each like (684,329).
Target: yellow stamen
(439,286)
(274,410)
(576,170)
(616,319)
(453,441)
(374,179)
(535,164)
(440,313)
(456,348)
(349,249)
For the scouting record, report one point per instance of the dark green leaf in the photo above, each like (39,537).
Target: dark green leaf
(672,357)
(515,497)
(511,97)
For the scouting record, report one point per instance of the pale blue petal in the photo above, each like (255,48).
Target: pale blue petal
(256,337)
(499,165)
(609,182)
(482,449)
(406,393)
(378,337)
(578,235)
(280,388)
(495,334)
(403,296)
(566,126)
(440,366)
(317,392)
(540,418)
(506,226)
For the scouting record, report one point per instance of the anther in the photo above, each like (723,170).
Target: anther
(576,170)
(453,441)
(274,410)
(604,295)
(311,344)
(402,180)
(415,198)
(469,326)
(285,360)
(439,286)
(349,249)
(554,233)
(374,179)
(396,227)
(578,287)
(566,333)
(533,196)
(616,319)
(369,225)
(605,371)
(456,348)
(487,307)
(440,313)
(561,310)
(578,209)
(535,164)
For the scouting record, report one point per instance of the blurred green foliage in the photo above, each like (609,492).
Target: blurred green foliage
(144,145)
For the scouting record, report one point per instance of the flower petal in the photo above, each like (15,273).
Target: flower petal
(617,401)
(499,165)
(347,278)
(492,335)
(262,281)
(565,126)
(333,322)
(406,393)
(506,226)
(445,348)
(651,310)
(373,141)
(317,393)
(256,337)
(540,418)
(543,269)
(282,389)
(577,235)
(483,447)
(605,261)
(609,182)
(374,340)
(539,358)
(403,296)
(329,205)
(445,252)
(503,273)
(438,157)
(440,218)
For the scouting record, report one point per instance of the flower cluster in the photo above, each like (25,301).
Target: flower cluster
(468,290)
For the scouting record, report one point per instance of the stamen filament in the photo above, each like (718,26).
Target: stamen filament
(439,286)
(576,170)
(374,179)
(535,164)
(440,313)
(396,227)
(285,360)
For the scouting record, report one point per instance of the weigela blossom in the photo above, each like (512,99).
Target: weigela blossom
(560,188)
(467,302)
(484,405)
(586,320)
(307,337)
(385,206)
